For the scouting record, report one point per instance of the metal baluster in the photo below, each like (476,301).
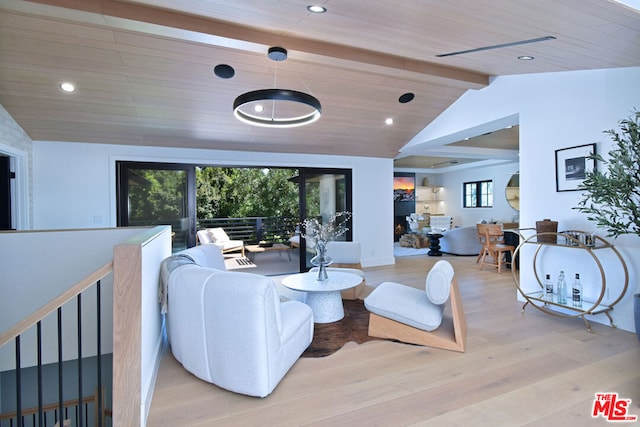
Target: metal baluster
(60,382)
(99,408)
(79,298)
(18,384)
(40,413)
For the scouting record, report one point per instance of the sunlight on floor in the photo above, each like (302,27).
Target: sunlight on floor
(267,263)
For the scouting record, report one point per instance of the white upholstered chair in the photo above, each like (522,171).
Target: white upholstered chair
(346,257)
(411,315)
(219,237)
(231,329)
(440,223)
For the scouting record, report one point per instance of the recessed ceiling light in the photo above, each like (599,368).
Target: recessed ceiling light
(314,8)
(258,108)
(67,87)
(389,121)
(525,58)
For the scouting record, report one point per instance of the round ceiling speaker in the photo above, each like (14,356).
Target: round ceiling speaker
(224,71)
(407,97)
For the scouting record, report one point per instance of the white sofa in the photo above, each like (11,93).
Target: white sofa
(230,328)
(461,241)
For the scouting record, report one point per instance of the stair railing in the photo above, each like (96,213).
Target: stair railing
(90,283)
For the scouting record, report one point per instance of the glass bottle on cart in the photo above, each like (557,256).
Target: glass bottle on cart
(548,288)
(561,289)
(576,292)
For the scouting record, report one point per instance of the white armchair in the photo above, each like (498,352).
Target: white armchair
(219,237)
(230,328)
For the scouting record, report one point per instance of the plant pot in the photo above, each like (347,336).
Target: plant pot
(636,313)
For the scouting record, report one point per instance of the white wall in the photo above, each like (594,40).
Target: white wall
(64,258)
(451,194)
(555,110)
(74,185)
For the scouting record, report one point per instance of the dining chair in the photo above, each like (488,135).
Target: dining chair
(494,246)
(482,239)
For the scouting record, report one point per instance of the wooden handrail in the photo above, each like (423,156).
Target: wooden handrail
(53,406)
(56,302)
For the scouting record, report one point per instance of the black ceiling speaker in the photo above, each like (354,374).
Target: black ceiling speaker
(224,71)
(406,97)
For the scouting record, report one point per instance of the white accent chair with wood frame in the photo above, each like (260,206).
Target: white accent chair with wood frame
(411,315)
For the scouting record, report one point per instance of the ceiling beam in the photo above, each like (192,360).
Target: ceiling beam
(164,23)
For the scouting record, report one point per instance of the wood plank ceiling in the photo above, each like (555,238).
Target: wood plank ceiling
(144,68)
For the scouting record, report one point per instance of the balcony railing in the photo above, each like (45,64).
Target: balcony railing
(251,230)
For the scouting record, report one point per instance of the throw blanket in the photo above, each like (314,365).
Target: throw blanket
(167,266)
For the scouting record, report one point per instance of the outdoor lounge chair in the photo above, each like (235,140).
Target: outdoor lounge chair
(218,237)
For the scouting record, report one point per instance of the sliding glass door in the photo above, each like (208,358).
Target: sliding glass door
(323,193)
(163,193)
(158,194)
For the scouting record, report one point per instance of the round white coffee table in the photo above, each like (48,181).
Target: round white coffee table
(323,296)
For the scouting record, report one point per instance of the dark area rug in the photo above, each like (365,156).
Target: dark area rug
(330,337)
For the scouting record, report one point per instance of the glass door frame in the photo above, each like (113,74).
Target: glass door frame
(122,193)
(307,173)
(122,196)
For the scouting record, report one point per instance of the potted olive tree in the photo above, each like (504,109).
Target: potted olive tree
(611,197)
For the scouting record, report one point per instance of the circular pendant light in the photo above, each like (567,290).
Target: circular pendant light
(277,108)
(251,100)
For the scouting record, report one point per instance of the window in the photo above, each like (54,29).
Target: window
(478,194)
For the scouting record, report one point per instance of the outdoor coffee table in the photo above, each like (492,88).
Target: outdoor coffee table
(255,249)
(323,297)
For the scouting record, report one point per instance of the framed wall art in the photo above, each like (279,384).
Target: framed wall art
(404,188)
(572,165)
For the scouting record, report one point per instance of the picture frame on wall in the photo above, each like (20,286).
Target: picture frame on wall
(572,165)
(404,188)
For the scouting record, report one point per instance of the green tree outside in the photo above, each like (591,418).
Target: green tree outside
(220,193)
(157,195)
(246,192)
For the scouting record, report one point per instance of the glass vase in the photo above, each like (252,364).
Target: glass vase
(321,260)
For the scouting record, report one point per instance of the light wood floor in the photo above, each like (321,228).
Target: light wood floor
(526,369)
